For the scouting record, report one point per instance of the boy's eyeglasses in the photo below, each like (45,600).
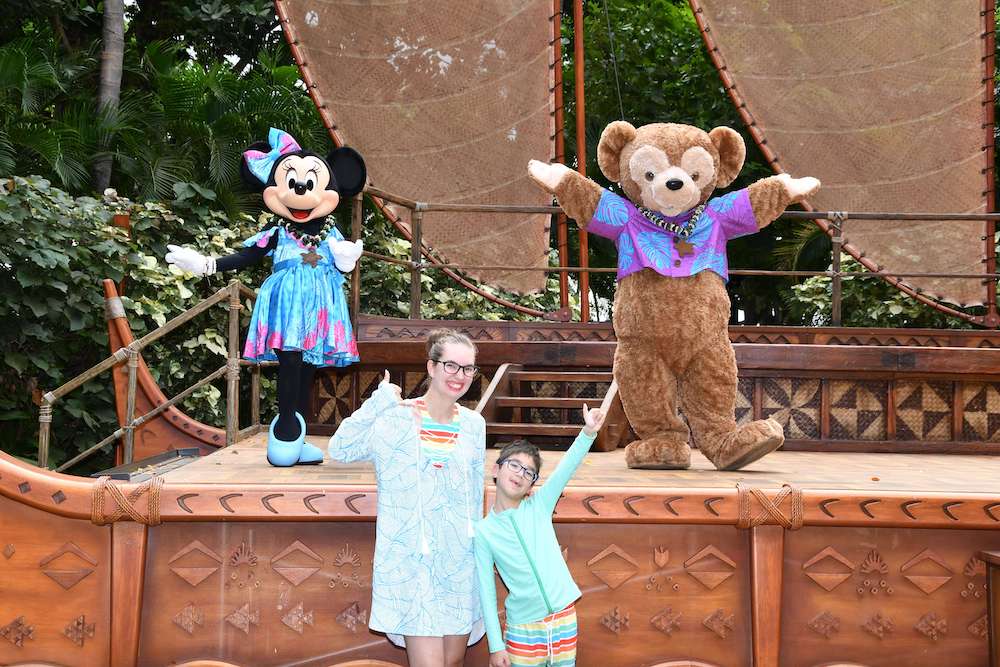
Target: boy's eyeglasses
(516,467)
(451,368)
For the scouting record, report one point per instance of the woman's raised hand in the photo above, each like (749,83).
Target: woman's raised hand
(395,388)
(593,419)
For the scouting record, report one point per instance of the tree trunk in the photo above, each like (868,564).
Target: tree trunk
(112,54)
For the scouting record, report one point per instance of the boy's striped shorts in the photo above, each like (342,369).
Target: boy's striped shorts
(550,641)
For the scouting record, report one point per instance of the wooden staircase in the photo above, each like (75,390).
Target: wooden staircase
(511,408)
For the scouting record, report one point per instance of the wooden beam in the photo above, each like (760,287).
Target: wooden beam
(766,559)
(128,570)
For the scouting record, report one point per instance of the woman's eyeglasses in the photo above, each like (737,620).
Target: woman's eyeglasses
(517,468)
(451,368)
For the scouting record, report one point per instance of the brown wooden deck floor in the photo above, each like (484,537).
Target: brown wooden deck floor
(245,463)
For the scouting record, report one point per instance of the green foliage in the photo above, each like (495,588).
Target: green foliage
(866,302)
(54,251)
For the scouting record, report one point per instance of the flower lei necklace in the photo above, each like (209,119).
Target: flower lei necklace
(683,231)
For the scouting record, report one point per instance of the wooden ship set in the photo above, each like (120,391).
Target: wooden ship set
(871,539)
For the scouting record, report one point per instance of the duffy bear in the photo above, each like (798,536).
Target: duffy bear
(671,310)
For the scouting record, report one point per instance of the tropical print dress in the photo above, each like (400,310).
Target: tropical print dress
(301,306)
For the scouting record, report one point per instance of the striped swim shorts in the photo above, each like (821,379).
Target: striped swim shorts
(550,641)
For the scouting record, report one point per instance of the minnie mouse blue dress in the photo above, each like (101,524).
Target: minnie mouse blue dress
(301,306)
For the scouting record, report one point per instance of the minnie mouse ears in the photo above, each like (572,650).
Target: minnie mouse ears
(349,171)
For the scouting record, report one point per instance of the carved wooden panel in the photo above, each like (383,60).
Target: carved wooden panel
(884,597)
(55,588)
(656,593)
(260,594)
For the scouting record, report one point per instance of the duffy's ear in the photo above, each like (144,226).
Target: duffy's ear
(609,148)
(249,180)
(348,170)
(732,152)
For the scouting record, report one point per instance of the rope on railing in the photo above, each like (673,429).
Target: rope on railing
(769,508)
(125,504)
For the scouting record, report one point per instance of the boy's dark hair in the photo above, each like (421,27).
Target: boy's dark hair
(521,447)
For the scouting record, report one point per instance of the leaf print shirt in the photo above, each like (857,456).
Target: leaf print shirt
(643,245)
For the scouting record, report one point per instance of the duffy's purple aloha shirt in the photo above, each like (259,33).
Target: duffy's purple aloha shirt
(643,245)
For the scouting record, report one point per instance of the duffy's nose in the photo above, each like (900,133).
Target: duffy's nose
(672,184)
(300,188)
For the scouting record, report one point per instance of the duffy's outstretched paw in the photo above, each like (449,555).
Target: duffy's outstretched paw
(799,188)
(547,175)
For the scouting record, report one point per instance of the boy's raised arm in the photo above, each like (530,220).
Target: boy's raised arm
(548,495)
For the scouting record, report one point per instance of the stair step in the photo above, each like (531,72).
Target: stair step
(570,430)
(544,402)
(560,376)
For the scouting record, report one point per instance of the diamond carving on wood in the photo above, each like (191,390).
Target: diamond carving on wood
(879,625)
(352,617)
(189,617)
(666,621)
(615,620)
(825,624)
(710,567)
(829,568)
(297,619)
(67,565)
(17,631)
(195,563)
(296,563)
(932,626)
(8,551)
(79,630)
(720,623)
(927,571)
(980,627)
(661,556)
(613,566)
(243,618)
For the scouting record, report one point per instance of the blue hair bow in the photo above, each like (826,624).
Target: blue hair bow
(261,163)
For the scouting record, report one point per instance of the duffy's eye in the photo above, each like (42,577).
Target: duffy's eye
(695,176)
(291,183)
(650,175)
(309,184)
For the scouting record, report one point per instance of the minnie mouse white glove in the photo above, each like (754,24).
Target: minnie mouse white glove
(346,254)
(190,260)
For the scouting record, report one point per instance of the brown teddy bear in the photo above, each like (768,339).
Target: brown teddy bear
(671,310)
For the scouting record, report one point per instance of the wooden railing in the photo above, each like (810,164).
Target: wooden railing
(231,295)
(831,222)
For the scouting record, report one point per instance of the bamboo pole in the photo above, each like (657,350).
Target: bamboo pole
(357,211)
(562,233)
(233,364)
(133,370)
(836,294)
(44,428)
(416,229)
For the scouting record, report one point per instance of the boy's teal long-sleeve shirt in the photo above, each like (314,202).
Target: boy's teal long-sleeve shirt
(518,538)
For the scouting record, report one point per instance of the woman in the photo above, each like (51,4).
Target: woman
(428,455)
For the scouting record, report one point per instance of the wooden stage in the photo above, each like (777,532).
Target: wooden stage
(804,559)
(245,463)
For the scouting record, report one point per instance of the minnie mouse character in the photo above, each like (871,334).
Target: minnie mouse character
(300,318)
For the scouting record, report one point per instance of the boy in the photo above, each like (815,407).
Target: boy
(517,536)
